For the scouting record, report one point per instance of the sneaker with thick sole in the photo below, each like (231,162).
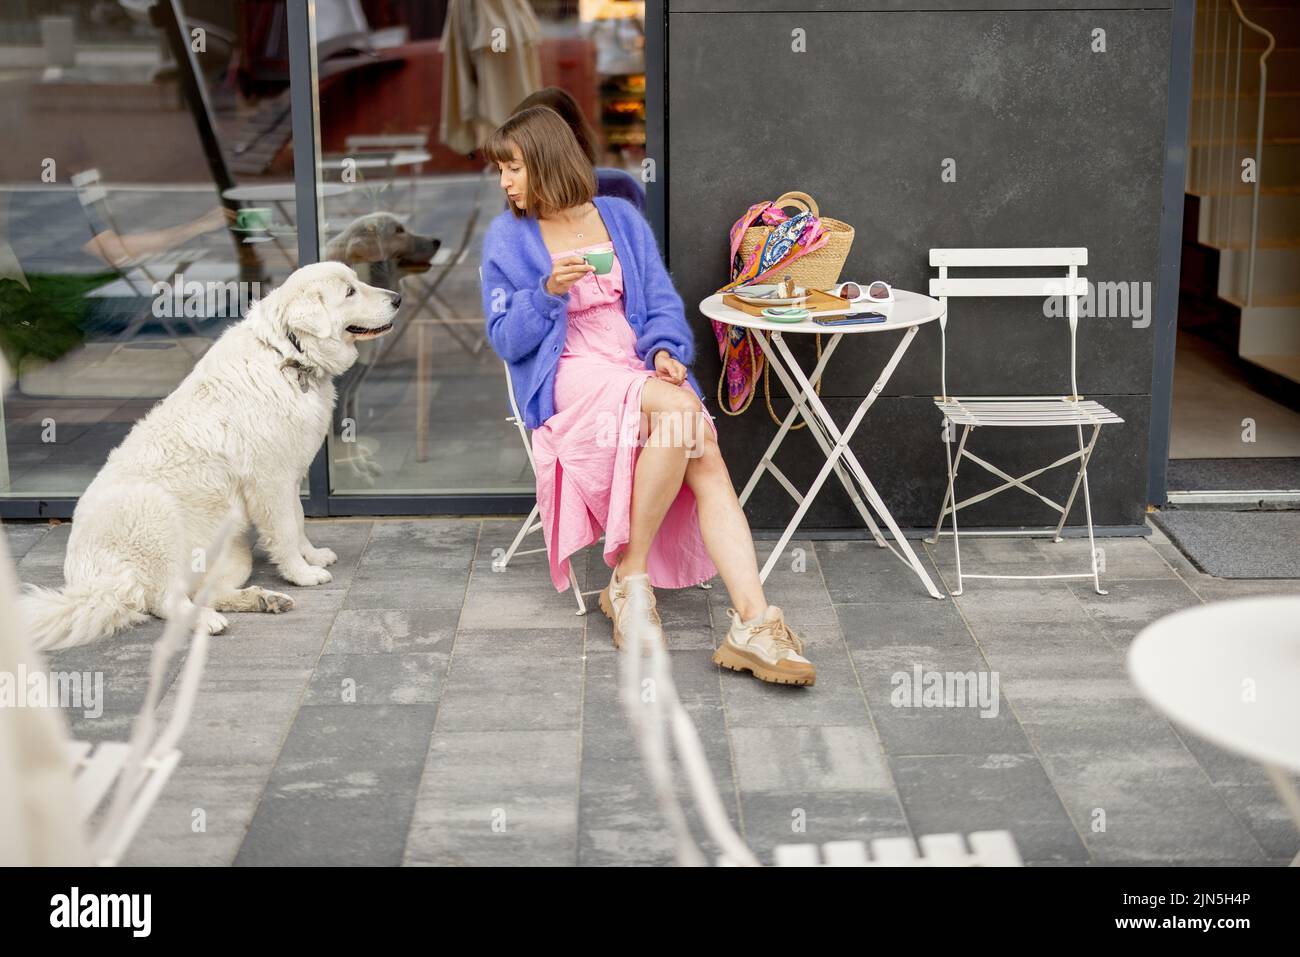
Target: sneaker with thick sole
(767,648)
(614,601)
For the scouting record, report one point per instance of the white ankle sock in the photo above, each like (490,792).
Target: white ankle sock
(757,619)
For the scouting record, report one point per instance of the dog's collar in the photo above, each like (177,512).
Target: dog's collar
(305,371)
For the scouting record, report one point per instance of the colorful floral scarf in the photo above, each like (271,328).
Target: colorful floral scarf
(789,238)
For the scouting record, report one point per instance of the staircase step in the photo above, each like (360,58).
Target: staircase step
(1276,272)
(1224,221)
(1270,331)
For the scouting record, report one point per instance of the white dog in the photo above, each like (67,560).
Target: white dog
(237,434)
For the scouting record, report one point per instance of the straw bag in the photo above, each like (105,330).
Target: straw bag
(807,247)
(818,269)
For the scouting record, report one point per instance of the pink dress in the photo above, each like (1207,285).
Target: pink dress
(586,452)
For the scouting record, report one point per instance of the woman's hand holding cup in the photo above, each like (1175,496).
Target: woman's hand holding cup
(565,272)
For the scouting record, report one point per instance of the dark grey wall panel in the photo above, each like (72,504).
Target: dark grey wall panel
(1054,145)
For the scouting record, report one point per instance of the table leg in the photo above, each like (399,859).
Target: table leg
(815,427)
(841,448)
(766,462)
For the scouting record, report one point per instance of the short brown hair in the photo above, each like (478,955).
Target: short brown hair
(563,103)
(559,175)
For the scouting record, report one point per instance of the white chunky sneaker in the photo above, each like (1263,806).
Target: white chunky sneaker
(766,648)
(614,603)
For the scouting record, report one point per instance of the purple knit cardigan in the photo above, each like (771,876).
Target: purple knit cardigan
(527,326)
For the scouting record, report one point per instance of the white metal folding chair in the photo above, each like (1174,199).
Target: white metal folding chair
(972,412)
(532,523)
(986,849)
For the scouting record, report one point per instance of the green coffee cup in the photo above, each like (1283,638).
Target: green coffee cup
(603,261)
(253,218)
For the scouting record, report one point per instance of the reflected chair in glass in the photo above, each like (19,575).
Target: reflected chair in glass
(140,274)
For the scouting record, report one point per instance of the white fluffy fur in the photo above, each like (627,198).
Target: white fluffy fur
(238,433)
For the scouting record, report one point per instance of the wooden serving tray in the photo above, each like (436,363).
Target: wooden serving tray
(818,301)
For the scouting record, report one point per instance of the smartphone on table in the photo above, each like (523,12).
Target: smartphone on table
(851,319)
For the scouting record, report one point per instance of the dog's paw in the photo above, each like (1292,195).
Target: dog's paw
(307,575)
(275,602)
(213,622)
(320,557)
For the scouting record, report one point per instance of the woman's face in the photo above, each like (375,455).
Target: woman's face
(514,178)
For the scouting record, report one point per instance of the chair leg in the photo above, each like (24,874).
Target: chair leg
(573,583)
(952,494)
(499,564)
(1083,462)
(1087,509)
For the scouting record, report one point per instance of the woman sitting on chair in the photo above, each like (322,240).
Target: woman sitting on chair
(598,356)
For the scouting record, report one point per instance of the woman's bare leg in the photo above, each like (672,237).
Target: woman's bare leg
(660,468)
(663,465)
(724,528)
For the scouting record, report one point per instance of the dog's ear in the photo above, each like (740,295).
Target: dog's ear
(305,313)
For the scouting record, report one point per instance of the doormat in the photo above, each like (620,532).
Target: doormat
(1236,544)
(1232,475)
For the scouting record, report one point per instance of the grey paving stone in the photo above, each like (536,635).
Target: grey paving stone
(346,680)
(239,719)
(21,536)
(815,817)
(836,698)
(422,544)
(990,602)
(881,624)
(1158,805)
(1123,559)
(988,555)
(377,631)
(965,793)
(201,817)
(1221,766)
(694,678)
(621,822)
(1132,605)
(1261,811)
(319,831)
(794,759)
(497,798)
(408,588)
(357,751)
(977,719)
(861,571)
(522,642)
(1223,589)
(1081,715)
(46,553)
(499,693)
(1050,650)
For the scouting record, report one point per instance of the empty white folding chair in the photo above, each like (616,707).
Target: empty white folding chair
(1026,412)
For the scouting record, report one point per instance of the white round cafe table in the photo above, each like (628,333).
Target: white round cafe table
(907,313)
(1230,673)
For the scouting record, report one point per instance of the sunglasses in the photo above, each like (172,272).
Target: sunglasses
(877,291)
